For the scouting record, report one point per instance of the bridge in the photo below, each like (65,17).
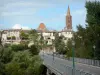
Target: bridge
(58,66)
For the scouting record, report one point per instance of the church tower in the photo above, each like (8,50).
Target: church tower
(68,20)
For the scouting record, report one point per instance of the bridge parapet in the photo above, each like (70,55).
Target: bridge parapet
(59,68)
(53,70)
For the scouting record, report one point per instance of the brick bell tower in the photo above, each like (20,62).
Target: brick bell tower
(68,20)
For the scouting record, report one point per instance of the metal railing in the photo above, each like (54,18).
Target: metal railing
(81,60)
(87,61)
(65,69)
(69,71)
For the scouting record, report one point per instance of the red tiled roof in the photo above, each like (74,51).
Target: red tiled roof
(41,26)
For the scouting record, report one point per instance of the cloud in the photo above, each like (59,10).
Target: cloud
(15,8)
(33,11)
(29,4)
(79,17)
(24,7)
(1,24)
(20,13)
(80,12)
(18,26)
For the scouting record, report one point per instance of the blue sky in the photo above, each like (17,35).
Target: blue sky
(30,13)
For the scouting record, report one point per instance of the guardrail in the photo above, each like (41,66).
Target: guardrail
(81,60)
(53,69)
(67,70)
(87,61)
(64,69)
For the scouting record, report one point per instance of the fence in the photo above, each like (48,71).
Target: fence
(82,60)
(63,69)
(69,71)
(87,61)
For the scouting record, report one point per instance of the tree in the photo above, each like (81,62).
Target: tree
(2,66)
(34,50)
(93,21)
(7,55)
(1,45)
(34,37)
(23,63)
(42,42)
(19,47)
(59,44)
(86,38)
(69,48)
(8,38)
(19,59)
(24,36)
(13,37)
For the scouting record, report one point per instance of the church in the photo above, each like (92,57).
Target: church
(67,32)
(48,35)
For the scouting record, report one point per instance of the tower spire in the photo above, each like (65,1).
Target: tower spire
(68,20)
(68,12)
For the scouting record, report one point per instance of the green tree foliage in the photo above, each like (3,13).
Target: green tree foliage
(20,59)
(83,47)
(1,45)
(59,44)
(69,48)
(0,37)
(42,42)
(2,68)
(34,37)
(93,27)
(23,63)
(24,36)
(19,47)
(7,55)
(8,38)
(86,38)
(13,38)
(34,50)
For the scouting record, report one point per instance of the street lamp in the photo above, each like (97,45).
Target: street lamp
(94,50)
(94,53)
(73,54)
(53,49)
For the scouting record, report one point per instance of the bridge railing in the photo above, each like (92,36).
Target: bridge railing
(81,60)
(69,71)
(87,61)
(63,69)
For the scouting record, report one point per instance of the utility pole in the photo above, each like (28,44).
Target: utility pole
(73,55)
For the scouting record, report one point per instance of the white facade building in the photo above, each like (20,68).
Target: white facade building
(13,35)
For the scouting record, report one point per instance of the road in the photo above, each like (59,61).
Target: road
(65,66)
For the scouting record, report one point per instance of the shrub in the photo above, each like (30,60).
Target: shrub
(19,47)
(23,63)
(8,38)
(34,50)
(13,37)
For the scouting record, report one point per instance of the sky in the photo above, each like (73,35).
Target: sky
(28,14)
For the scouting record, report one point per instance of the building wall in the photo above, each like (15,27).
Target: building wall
(48,36)
(10,33)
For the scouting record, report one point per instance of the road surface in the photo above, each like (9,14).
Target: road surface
(66,66)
